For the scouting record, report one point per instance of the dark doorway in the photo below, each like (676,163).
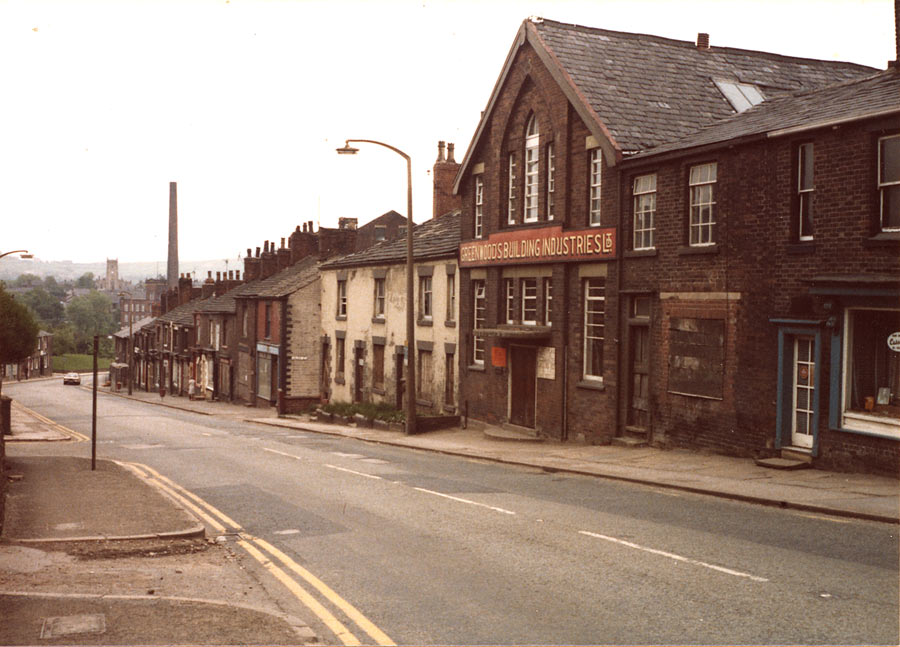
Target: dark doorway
(522,380)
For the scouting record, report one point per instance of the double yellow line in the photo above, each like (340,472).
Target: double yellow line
(78,437)
(279,564)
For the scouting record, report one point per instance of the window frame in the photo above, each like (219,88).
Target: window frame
(426,298)
(532,171)
(450,315)
(342,298)
(529,310)
(551,180)
(886,185)
(509,301)
(479,206)
(548,300)
(511,193)
(479,305)
(378,310)
(644,205)
(340,357)
(595,184)
(696,205)
(590,372)
(804,194)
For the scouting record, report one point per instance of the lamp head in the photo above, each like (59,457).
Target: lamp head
(347,149)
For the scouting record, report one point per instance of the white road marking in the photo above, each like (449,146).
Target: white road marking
(344,469)
(456,498)
(275,451)
(346,455)
(679,558)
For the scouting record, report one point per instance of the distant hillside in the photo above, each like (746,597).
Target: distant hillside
(11,268)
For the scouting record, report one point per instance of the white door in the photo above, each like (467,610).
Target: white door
(804,389)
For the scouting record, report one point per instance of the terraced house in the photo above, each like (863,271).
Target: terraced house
(776,328)
(545,314)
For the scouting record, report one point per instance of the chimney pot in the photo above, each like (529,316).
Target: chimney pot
(450,148)
(440,157)
(209,274)
(218,276)
(257,252)
(249,252)
(702,40)
(282,243)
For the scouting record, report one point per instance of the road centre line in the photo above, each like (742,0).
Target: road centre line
(302,594)
(349,471)
(456,498)
(181,496)
(679,558)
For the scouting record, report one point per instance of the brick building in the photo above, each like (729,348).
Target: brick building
(541,316)
(766,305)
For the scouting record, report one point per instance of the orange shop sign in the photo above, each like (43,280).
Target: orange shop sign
(542,245)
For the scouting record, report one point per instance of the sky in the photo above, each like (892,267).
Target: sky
(243,103)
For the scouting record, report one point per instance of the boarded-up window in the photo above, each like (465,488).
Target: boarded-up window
(696,356)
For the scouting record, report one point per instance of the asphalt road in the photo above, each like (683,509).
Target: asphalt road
(440,550)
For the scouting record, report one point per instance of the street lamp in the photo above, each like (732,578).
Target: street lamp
(130,337)
(410,293)
(24,253)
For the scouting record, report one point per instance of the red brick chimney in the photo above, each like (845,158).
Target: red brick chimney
(283,256)
(208,287)
(303,243)
(268,262)
(184,289)
(251,265)
(702,41)
(444,174)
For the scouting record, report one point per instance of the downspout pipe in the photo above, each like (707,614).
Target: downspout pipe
(282,360)
(620,265)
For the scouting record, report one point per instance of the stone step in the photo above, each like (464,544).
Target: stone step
(630,441)
(796,455)
(778,463)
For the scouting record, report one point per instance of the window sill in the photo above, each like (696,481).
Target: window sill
(425,322)
(592,385)
(890,239)
(871,425)
(688,250)
(378,320)
(802,247)
(424,403)
(339,379)
(450,324)
(641,253)
(476,367)
(340,317)
(378,391)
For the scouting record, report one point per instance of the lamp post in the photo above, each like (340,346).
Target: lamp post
(24,253)
(410,293)
(130,353)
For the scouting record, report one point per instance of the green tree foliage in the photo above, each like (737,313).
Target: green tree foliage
(18,330)
(86,280)
(27,281)
(89,315)
(54,288)
(48,308)
(63,340)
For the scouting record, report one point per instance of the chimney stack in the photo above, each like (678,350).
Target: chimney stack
(443,176)
(172,264)
(702,41)
(208,287)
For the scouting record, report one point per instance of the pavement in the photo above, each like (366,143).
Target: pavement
(42,511)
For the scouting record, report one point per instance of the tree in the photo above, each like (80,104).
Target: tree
(91,314)
(47,308)
(18,331)
(86,280)
(27,281)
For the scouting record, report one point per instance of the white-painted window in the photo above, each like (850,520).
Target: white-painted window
(511,182)
(703,202)
(594,325)
(478,309)
(548,301)
(509,298)
(532,166)
(551,179)
(425,303)
(644,211)
(379,299)
(805,188)
(596,179)
(479,206)
(342,298)
(889,182)
(529,292)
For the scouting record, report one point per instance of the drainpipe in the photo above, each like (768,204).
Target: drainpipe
(282,361)
(565,349)
(619,269)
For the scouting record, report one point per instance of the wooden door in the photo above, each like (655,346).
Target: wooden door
(522,382)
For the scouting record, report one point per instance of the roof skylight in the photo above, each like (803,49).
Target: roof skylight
(741,96)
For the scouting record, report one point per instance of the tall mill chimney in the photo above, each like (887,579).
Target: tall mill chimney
(172,265)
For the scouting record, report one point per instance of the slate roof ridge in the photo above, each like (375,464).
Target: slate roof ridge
(692,45)
(291,278)
(434,238)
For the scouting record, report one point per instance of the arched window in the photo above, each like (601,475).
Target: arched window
(532,158)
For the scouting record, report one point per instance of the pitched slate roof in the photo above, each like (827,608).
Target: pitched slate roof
(432,239)
(871,96)
(291,279)
(146,321)
(648,90)
(636,91)
(182,315)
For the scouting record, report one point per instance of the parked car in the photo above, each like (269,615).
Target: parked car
(71,378)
